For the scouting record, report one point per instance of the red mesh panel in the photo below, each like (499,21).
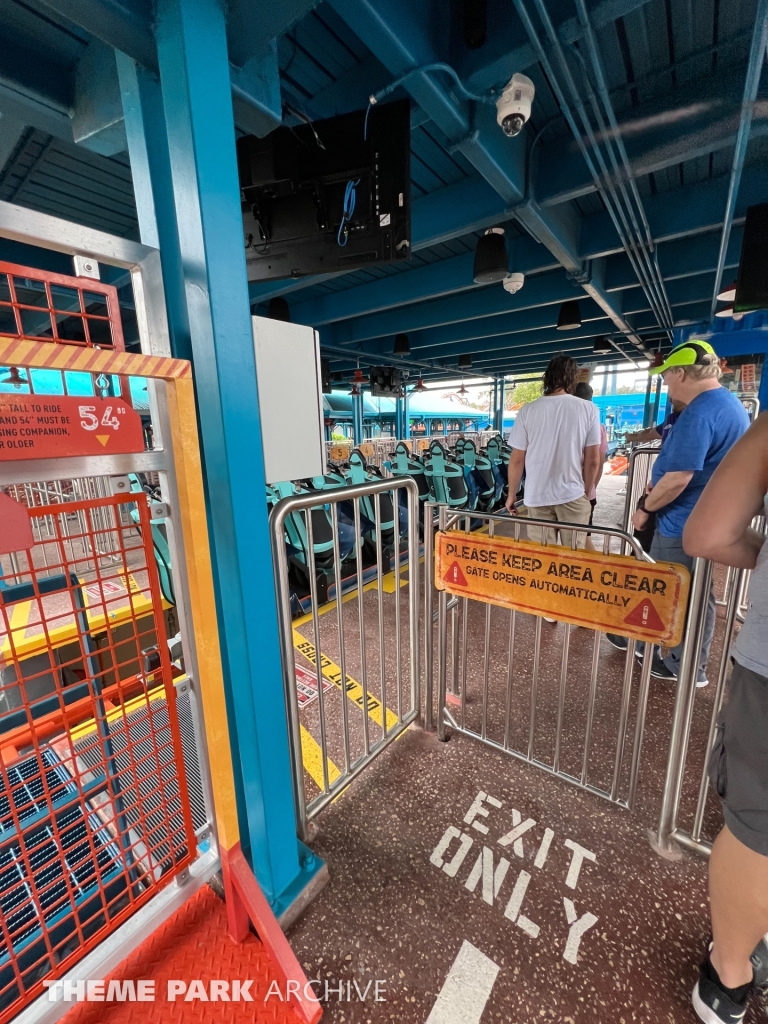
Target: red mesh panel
(42,306)
(94,809)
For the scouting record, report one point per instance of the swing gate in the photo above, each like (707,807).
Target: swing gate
(104,783)
(555,696)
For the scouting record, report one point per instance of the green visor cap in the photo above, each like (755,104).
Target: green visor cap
(690,353)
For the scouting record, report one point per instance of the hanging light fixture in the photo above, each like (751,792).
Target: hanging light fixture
(402,345)
(728,311)
(465,362)
(359,377)
(491,262)
(727,294)
(419,385)
(569,316)
(14,377)
(463,390)
(278,309)
(602,346)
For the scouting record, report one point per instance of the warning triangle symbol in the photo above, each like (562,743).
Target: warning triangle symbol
(103,438)
(645,616)
(455,576)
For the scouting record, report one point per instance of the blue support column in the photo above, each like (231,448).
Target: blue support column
(406,417)
(498,411)
(201,182)
(656,402)
(647,411)
(357,418)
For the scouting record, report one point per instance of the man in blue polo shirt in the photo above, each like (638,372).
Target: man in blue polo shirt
(711,423)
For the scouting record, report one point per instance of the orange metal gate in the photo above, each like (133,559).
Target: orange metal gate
(94,811)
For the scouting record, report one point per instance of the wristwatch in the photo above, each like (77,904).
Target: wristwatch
(641,505)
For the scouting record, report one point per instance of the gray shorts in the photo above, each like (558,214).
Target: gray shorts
(738,763)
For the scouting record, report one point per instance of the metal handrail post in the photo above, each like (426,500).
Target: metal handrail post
(429,583)
(412,495)
(442,628)
(684,697)
(629,499)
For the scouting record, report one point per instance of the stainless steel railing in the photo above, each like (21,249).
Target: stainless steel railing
(353,721)
(687,763)
(486,656)
(641,460)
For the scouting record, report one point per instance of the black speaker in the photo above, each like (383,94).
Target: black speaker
(752,284)
(325,376)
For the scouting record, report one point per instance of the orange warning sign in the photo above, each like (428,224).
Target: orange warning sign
(54,426)
(614,593)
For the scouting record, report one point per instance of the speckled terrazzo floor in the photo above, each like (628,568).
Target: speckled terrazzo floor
(390,913)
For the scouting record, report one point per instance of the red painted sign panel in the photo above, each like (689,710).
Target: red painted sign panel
(55,426)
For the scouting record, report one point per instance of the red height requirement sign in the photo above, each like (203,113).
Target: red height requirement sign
(55,426)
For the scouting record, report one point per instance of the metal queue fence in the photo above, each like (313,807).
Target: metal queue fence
(690,814)
(641,460)
(687,794)
(503,682)
(358,665)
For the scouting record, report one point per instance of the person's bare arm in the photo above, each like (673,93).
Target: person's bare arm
(591,468)
(669,487)
(600,468)
(649,434)
(514,475)
(719,526)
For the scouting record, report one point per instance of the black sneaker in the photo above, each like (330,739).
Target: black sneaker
(712,1003)
(760,966)
(621,643)
(659,670)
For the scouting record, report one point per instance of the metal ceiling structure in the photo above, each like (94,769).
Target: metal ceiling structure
(626,190)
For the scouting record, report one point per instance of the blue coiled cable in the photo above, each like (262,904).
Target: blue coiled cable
(349,208)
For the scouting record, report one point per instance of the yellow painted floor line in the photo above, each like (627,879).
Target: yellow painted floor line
(354,690)
(312,756)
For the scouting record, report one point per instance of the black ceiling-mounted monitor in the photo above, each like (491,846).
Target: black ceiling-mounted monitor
(298,187)
(752,284)
(385,381)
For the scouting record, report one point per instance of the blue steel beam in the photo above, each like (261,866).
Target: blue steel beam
(479,335)
(490,301)
(684,213)
(694,120)
(255,88)
(683,257)
(503,54)
(432,281)
(195,82)
(678,213)
(680,258)
(399,35)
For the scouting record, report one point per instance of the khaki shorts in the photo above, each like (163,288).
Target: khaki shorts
(576,511)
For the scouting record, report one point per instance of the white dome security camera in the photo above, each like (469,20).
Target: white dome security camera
(513,107)
(513,283)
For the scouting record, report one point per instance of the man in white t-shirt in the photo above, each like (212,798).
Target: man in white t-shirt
(556,441)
